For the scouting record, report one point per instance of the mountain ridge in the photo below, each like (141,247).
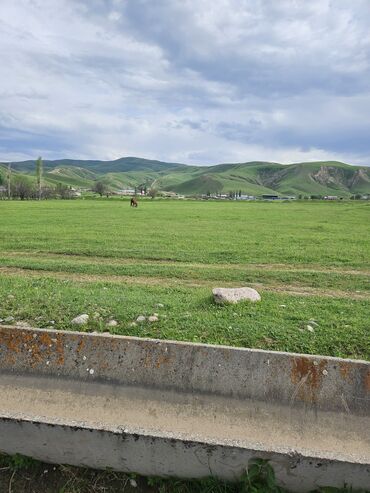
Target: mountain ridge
(253,177)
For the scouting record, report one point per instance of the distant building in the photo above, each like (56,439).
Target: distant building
(270,197)
(331,197)
(126,191)
(245,197)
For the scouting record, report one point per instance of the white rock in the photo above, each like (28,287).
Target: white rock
(133,483)
(112,323)
(313,323)
(153,318)
(235,295)
(22,324)
(8,319)
(81,319)
(310,328)
(141,318)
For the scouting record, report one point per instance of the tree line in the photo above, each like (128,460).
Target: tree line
(14,186)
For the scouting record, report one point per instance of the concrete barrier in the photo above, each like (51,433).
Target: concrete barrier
(180,409)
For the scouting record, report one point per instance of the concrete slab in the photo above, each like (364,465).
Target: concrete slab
(188,410)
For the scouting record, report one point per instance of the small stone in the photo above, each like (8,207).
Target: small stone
(112,323)
(313,323)
(153,318)
(141,318)
(52,322)
(235,295)
(310,328)
(81,319)
(282,306)
(9,319)
(133,483)
(91,371)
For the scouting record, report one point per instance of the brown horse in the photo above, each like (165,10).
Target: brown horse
(133,202)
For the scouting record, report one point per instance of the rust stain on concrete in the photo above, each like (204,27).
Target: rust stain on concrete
(307,374)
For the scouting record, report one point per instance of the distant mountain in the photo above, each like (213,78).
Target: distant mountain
(102,167)
(253,178)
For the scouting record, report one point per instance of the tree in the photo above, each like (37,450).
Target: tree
(63,191)
(39,170)
(21,188)
(8,179)
(153,192)
(100,188)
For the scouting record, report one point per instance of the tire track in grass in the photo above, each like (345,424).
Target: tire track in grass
(296,290)
(157,262)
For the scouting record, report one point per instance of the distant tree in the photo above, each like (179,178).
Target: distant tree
(8,179)
(63,191)
(21,188)
(300,196)
(48,192)
(153,192)
(240,193)
(100,188)
(39,170)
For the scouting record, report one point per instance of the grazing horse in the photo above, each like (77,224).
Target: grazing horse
(133,202)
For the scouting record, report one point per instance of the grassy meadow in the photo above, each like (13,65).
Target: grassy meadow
(309,261)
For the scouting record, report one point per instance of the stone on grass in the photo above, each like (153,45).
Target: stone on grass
(235,295)
(112,323)
(141,318)
(310,328)
(22,324)
(9,319)
(81,319)
(153,318)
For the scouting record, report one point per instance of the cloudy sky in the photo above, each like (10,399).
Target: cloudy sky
(194,81)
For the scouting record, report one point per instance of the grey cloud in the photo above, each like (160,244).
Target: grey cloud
(192,80)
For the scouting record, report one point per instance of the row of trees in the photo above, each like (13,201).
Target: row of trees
(24,189)
(102,189)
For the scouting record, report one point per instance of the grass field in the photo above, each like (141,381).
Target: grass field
(310,262)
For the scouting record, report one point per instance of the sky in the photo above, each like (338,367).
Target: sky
(190,81)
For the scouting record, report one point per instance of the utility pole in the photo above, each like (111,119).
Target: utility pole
(8,178)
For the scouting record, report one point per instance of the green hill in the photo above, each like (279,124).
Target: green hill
(253,178)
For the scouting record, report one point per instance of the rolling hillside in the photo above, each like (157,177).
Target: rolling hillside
(253,178)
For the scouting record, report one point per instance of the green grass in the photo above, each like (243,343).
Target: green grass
(320,234)
(308,260)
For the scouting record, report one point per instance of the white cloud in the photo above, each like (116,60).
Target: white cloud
(194,81)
